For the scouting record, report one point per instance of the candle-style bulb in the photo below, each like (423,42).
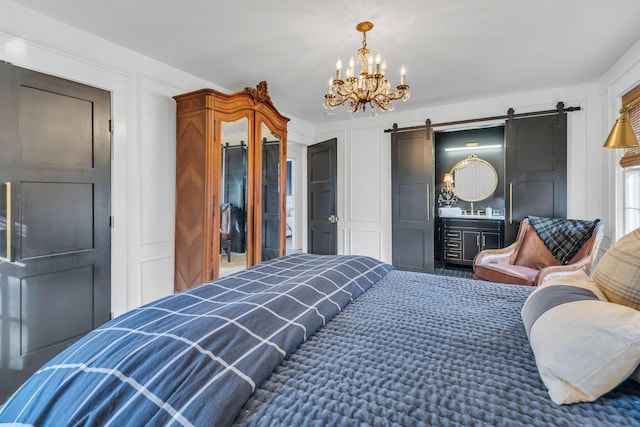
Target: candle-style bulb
(378,61)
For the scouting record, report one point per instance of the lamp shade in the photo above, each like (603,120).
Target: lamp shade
(448,178)
(622,135)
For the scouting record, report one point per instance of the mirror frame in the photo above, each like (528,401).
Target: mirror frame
(474,158)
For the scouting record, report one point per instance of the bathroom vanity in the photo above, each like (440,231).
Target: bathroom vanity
(462,237)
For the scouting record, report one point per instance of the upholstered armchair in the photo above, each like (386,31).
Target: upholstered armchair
(529,261)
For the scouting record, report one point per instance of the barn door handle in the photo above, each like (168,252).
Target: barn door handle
(510,202)
(428,204)
(9,222)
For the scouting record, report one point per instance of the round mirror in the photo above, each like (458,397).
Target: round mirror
(474,179)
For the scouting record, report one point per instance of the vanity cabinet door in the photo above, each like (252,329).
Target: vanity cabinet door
(471,241)
(490,240)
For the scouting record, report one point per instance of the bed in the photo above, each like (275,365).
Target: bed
(364,344)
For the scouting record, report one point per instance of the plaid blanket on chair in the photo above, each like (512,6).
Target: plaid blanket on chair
(563,237)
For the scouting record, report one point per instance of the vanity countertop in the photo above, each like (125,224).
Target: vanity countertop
(473,216)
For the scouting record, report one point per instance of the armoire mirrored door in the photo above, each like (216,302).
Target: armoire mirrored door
(233,196)
(271,194)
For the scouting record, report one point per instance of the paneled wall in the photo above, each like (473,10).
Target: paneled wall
(142,187)
(623,76)
(153,195)
(364,167)
(143,141)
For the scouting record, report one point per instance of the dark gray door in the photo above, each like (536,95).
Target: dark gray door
(54,218)
(536,170)
(322,161)
(412,224)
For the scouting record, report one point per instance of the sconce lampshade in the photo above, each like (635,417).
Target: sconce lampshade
(448,178)
(622,135)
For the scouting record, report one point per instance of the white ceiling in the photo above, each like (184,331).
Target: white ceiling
(454,50)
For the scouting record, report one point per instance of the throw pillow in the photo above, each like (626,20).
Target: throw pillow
(618,272)
(584,346)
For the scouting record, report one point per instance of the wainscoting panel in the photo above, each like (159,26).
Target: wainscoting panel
(153,278)
(156,159)
(364,183)
(364,242)
(153,199)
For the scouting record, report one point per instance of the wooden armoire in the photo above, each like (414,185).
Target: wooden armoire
(231,158)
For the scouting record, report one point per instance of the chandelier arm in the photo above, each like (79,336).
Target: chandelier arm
(335,102)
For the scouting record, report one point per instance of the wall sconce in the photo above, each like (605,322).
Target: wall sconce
(447,198)
(448,181)
(622,135)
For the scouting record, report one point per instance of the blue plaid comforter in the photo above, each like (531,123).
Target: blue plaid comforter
(192,358)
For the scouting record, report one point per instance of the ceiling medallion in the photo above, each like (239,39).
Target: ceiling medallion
(370,87)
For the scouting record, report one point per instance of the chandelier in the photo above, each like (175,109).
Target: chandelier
(369,87)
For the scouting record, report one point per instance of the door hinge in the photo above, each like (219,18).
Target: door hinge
(110,126)
(111,221)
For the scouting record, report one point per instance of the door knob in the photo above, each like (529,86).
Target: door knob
(333,219)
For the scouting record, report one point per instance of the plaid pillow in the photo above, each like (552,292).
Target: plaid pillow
(618,272)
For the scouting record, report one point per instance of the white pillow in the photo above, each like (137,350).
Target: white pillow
(584,345)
